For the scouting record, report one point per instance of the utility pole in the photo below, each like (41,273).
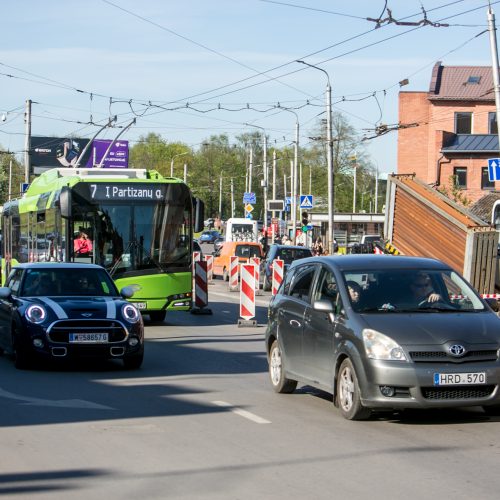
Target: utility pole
(284,192)
(232,198)
(250,168)
(10,179)
(220,196)
(494,66)
(293,182)
(329,143)
(185,173)
(265,184)
(27,141)
(355,166)
(376,190)
(274,192)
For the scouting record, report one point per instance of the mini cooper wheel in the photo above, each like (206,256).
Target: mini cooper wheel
(22,357)
(348,393)
(157,316)
(133,362)
(279,382)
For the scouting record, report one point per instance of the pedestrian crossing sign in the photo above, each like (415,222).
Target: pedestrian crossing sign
(306,201)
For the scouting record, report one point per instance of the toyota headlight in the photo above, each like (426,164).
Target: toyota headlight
(380,346)
(130,313)
(36,314)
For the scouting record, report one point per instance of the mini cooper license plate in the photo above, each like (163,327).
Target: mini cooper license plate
(88,338)
(140,305)
(459,378)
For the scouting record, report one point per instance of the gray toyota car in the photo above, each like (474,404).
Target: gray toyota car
(384,332)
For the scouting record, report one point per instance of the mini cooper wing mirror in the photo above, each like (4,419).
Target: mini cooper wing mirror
(127,291)
(5,292)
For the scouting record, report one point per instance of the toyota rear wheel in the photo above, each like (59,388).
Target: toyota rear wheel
(280,383)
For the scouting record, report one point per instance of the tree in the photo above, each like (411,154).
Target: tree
(154,152)
(17,177)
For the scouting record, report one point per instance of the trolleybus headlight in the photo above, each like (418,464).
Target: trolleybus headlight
(130,313)
(36,314)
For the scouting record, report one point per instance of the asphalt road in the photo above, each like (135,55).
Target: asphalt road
(200,420)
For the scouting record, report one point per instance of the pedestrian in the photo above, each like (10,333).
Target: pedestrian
(83,244)
(317,248)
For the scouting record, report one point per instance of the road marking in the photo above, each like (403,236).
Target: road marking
(242,413)
(63,403)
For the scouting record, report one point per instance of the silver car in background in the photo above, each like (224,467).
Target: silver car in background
(384,333)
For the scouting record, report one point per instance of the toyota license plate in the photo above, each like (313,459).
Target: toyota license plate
(88,338)
(459,378)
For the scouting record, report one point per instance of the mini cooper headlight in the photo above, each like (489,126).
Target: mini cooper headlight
(380,346)
(130,313)
(36,313)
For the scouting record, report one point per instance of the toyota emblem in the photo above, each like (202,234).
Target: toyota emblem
(457,350)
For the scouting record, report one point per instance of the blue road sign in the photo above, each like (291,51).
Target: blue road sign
(306,201)
(248,216)
(249,198)
(494,169)
(24,187)
(288,201)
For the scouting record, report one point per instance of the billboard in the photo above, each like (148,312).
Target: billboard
(51,152)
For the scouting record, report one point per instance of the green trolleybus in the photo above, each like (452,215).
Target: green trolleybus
(139,226)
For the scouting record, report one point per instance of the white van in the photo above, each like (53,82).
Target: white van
(241,229)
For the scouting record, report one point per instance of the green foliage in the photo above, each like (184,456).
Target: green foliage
(454,192)
(154,153)
(218,158)
(17,177)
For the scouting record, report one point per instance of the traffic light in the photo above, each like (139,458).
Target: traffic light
(305,221)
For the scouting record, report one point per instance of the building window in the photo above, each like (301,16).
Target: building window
(460,177)
(463,123)
(492,123)
(474,80)
(485,179)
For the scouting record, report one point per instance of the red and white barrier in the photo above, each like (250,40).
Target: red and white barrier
(490,295)
(233,274)
(256,262)
(209,259)
(247,296)
(196,258)
(200,288)
(277,274)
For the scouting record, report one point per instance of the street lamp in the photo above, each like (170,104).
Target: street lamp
(294,176)
(329,142)
(172,162)
(264,185)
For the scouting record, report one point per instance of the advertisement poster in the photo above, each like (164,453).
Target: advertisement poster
(52,152)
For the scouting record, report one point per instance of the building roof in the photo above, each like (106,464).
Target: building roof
(470,143)
(484,206)
(464,83)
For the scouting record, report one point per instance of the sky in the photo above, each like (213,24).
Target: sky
(190,69)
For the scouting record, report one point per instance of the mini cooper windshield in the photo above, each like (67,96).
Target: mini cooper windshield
(67,282)
(410,290)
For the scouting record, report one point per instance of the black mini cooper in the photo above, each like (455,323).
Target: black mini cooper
(67,311)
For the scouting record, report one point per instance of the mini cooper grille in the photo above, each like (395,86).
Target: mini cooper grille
(472,392)
(439,356)
(59,332)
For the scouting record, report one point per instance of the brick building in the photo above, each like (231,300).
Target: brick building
(451,130)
